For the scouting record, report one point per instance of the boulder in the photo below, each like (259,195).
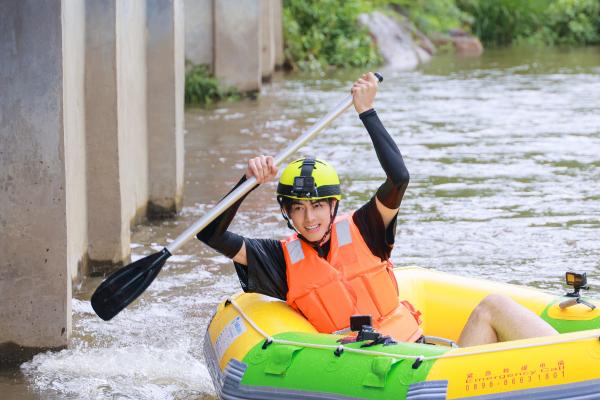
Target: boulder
(462,42)
(400,43)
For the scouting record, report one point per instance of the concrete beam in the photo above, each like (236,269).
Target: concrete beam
(117,144)
(36,137)
(132,106)
(278,31)
(74,122)
(166,74)
(199,32)
(267,31)
(238,43)
(108,221)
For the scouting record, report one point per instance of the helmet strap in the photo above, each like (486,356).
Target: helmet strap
(284,214)
(333,214)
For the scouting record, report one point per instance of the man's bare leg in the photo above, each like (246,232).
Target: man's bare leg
(499,318)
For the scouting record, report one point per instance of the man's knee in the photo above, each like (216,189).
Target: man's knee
(491,305)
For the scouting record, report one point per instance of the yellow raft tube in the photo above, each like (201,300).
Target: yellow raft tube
(259,348)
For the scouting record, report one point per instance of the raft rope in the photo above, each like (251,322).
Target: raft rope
(339,349)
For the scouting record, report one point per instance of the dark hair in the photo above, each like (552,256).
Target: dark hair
(286,203)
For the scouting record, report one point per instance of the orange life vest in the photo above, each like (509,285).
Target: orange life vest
(350,281)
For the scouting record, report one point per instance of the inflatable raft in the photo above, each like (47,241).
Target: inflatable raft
(259,348)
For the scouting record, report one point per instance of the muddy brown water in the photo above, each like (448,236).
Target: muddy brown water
(504,157)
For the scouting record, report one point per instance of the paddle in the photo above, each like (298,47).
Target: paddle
(122,287)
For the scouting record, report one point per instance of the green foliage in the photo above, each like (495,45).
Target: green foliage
(325,33)
(572,22)
(501,22)
(433,16)
(201,88)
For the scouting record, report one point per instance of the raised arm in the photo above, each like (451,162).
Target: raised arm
(216,234)
(390,193)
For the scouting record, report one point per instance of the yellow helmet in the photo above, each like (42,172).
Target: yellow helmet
(309,179)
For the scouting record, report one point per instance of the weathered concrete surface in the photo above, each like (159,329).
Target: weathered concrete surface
(117,144)
(74,126)
(400,43)
(278,30)
(165,105)
(267,31)
(199,31)
(35,292)
(238,43)
(108,233)
(132,107)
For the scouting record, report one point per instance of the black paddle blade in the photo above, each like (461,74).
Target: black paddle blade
(122,287)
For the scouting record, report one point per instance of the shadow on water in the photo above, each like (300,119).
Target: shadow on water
(503,152)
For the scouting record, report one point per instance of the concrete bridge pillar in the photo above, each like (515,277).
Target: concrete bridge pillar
(278,32)
(267,31)
(166,76)
(90,90)
(240,40)
(116,124)
(237,43)
(199,32)
(41,120)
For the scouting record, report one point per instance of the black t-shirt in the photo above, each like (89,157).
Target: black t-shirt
(266,272)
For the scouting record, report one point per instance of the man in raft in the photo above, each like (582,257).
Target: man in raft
(334,267)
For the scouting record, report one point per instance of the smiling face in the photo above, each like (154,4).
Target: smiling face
(311,218)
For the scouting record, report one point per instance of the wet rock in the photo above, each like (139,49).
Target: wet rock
(400,43)
(460,41)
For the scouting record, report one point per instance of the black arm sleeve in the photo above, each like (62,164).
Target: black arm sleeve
(391,192)
(378,238)
(265,272)
(216,235)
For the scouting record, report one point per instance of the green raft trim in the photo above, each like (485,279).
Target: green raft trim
(349,374)
(569,325)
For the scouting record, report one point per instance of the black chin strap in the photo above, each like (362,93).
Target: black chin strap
(333,214)
(284,214)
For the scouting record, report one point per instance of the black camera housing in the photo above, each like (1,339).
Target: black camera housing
(576,280)
(304,186)
(358,321)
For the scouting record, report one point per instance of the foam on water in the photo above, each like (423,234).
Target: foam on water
(151,350)
(135,372)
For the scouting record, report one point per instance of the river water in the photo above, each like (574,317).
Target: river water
(504,156)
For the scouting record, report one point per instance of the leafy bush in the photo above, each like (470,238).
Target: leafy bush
(432,16)
(201,88)
(323,33)
(499,22)
(572,22)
